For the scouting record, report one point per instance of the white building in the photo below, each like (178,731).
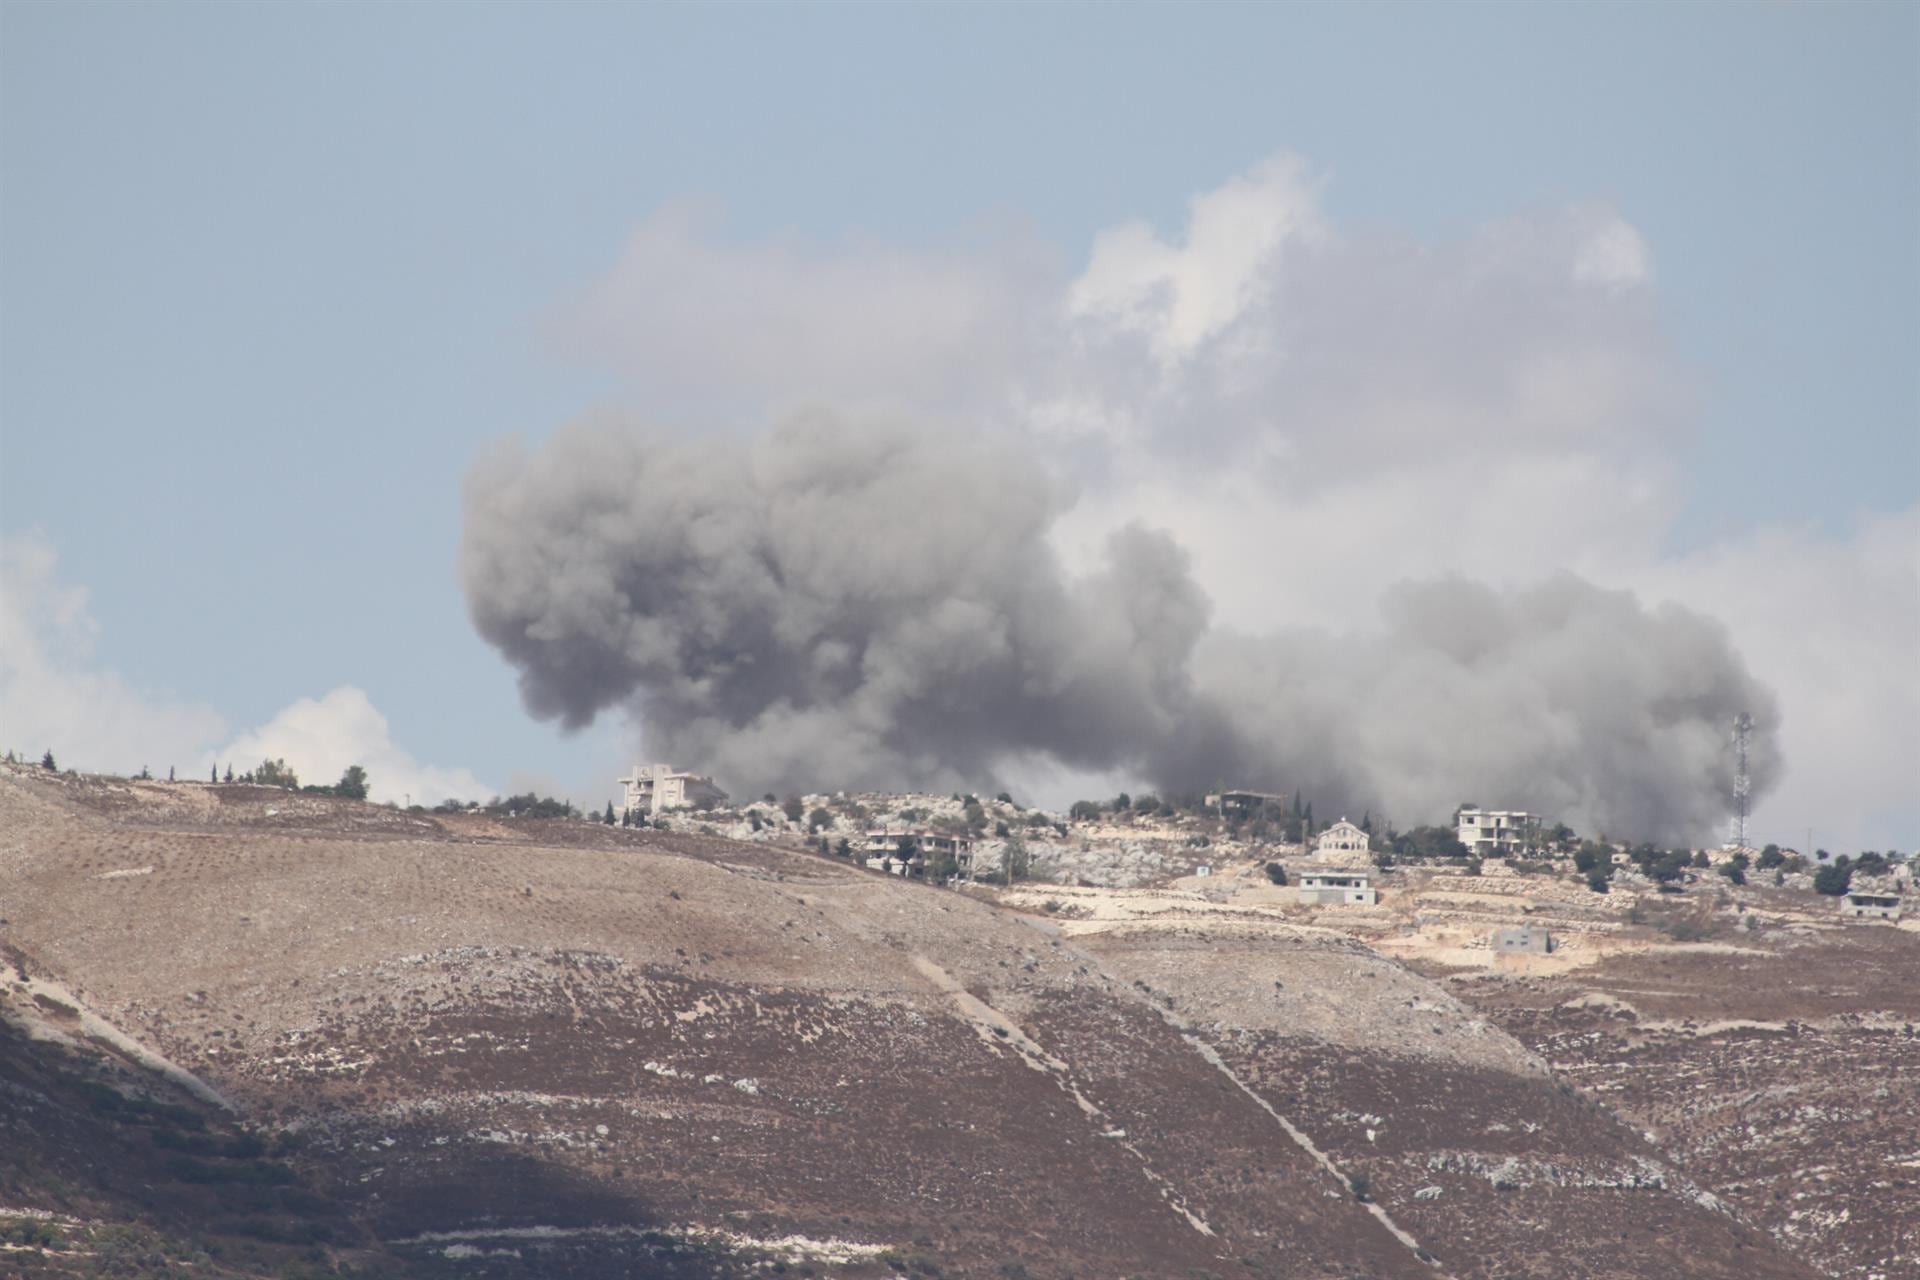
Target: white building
(655,788)
(1496,833)
(1342,839)
(1336,888)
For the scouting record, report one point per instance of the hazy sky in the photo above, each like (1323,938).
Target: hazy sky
(272,277)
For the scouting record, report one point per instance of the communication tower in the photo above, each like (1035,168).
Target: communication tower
(1742,783)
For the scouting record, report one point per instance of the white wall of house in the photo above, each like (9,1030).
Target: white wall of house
(1342,837)
(1326,888)
(1496,832)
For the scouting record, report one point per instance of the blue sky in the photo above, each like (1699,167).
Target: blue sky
(272,276)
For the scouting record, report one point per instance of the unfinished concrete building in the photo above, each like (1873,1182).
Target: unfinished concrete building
(1871,906)
(904,849)
(656,788)
(1241,803)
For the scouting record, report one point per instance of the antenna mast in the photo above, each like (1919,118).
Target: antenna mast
(1742,783)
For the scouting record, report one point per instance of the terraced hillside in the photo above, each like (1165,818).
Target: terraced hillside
(498,1048)
(1783,1074)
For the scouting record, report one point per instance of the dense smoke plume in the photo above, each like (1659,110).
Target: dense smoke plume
(852,603)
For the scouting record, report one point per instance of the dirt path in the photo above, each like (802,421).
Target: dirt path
(1305,1143)
(1000,1031)
(47,993)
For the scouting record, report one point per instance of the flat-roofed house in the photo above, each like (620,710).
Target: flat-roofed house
(656,788)
(883,848)
(1344,887)
(1496,833)
(1243,802)
(1871,906)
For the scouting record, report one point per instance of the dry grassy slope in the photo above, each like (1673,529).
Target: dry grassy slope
(482,1028)
(1784,1075)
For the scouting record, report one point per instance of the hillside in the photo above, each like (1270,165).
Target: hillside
(520,1048)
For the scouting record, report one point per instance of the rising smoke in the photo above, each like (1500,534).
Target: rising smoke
(853,603)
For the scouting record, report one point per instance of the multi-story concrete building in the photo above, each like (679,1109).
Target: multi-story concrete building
(883,846)
(1230,803)
(1496,833)
(655,788)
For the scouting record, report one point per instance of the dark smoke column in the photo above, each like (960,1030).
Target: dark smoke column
(856,603)
(840,603)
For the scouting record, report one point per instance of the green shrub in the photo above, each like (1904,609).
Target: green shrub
(1689,928)
(1834,879)
(31,1233)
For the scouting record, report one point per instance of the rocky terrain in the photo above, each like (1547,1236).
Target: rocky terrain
(275,1034)
(1784,1074)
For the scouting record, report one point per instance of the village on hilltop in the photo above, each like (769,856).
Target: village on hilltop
(1268,837)
(1486,885)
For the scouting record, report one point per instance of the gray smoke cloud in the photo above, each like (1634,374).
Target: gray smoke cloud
(862,603)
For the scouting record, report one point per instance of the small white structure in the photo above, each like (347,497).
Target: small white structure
(1338,888)
(1871,906)
(1521,940)
(1496,833)
(1342,839)
(1204,869)
(656,788)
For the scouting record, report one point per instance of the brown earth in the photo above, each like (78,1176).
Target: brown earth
(497,1047)
(1784,1076)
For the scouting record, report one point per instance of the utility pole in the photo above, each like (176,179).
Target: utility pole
(1742,783)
